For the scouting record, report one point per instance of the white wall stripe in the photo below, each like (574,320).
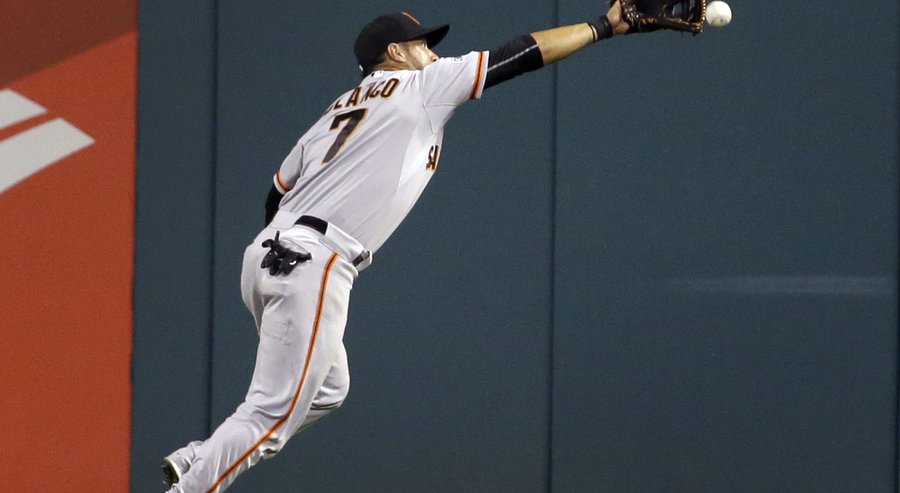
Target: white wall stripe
(15,108)
(24,154)
(791,285)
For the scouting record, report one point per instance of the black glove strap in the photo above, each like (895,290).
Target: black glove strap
(281,259)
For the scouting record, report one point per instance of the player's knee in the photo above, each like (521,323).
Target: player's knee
(331,399)
(272,446)
(341,393)
(334,400)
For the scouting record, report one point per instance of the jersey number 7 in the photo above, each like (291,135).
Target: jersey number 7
(352,118)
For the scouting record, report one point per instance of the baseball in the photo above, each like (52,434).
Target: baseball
(718,14)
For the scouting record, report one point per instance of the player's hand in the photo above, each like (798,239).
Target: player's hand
(614,14)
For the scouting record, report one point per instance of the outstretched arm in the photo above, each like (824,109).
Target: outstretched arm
(538,49)
(558,43)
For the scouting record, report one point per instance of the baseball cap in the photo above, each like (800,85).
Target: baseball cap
(374,39)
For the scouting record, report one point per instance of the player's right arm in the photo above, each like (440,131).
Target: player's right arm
(284,179)
(273,200)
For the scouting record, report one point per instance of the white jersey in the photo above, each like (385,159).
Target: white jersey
(364,164)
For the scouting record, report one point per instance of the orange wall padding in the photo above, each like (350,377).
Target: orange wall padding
(67,249)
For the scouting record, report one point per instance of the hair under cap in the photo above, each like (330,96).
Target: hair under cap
(375,37)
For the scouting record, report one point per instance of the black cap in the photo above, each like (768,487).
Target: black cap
(374,39)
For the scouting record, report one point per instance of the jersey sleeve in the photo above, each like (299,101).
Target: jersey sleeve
(453,81)
(290,170)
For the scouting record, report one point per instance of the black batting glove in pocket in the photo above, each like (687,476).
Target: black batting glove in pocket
(281,259)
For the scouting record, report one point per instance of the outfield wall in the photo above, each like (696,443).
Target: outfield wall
(667,264)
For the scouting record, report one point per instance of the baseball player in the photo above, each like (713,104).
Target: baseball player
(340,193)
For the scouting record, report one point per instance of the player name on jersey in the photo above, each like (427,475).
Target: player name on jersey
(382,88)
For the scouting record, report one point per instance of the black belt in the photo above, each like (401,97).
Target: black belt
(321,226)
(313,222)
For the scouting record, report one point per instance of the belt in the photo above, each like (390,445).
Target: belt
(321,226)
(313,222)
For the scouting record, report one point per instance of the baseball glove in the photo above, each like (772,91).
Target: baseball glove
(649,15)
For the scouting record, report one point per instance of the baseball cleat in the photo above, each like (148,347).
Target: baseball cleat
(172,470)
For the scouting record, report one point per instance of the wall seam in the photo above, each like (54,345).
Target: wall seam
(214,144)
(554,150)
(896,320)
(896,478)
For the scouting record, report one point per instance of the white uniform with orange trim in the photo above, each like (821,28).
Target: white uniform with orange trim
(364,164)
(361,168)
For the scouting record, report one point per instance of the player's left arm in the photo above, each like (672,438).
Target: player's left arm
(542,48)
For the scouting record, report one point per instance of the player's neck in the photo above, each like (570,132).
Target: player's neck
(392,65)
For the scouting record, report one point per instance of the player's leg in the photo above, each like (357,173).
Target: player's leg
(332,393)
(329,398)
(176,464)
(300,339)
